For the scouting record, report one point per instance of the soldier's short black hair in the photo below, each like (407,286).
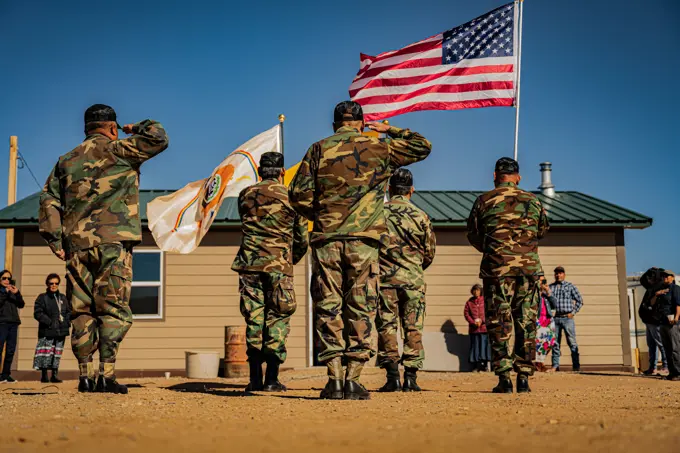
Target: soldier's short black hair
(271,164)
(348,111)
(506,166)
(100,113)
(401,181)
(271,160)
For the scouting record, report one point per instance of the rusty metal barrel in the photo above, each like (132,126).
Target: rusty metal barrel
(235,357)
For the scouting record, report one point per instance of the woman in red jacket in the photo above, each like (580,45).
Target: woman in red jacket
(480,351)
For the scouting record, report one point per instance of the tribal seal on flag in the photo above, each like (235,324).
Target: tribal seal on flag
(179,221)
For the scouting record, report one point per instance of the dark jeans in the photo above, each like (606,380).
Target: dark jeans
(567,326)
(8,335)
(670,336)
(654,343)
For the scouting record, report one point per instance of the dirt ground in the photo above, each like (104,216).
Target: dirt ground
(565,412)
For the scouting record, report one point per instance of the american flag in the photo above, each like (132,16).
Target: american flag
(469,66)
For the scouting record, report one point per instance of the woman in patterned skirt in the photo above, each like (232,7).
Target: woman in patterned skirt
(545,329)
(53,311)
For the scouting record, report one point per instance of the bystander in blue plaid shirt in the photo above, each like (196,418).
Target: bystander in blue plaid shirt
(568,298)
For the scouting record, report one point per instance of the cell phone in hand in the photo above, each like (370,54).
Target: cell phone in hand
(13,282)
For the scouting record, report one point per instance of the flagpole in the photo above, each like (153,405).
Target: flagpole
(519,72)
(282,118)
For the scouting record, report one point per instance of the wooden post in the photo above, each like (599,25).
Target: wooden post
(11,199)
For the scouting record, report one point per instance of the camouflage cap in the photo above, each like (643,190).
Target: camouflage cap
(271,160)
(401,178)
(506,166)
(348,111)
(100,113)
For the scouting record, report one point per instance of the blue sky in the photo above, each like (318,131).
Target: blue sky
(597,90)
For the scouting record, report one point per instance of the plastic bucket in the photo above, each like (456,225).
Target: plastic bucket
(202,364)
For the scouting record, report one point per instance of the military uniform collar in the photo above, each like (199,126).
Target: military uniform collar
(507,184)
(345,129)
(400,198)
(93,136)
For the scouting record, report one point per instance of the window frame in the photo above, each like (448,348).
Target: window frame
(160,284)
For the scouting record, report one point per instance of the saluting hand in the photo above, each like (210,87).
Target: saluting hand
(128,128)
(61,255)
(378,127)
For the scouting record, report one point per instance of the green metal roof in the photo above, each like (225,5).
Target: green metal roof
(445,208)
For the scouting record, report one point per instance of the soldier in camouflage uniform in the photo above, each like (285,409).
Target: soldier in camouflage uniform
(274,239)
(340,185)
(408,253)
(89,216)
(505,224)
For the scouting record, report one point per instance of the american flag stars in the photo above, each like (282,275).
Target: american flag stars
(496,26)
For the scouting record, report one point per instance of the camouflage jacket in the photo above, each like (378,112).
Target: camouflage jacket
(92,195)
(411,245)
(274,235)
(505,224)
(341,182)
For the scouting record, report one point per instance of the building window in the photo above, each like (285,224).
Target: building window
(146,300)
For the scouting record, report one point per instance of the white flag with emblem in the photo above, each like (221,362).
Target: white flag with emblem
(179,221)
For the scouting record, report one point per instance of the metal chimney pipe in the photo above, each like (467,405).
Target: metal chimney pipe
(547,188)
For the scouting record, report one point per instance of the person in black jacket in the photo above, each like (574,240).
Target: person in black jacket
(10,303)
(53,311)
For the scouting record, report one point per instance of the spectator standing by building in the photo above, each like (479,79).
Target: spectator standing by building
(545,328)
(568,302)
(53,312)
(651,314)
(10,303)
(670,328)
(480,351)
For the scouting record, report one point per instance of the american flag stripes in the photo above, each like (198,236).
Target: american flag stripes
(473,65)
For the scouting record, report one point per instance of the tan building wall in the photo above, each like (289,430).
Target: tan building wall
(594,262)
(201,298)
(200,294)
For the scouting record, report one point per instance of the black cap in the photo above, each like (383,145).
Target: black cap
(100,113)
(401,178)
(271,160)
(348,111)
(559,269)
(506,166)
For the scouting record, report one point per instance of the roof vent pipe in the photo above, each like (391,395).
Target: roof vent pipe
(547,188)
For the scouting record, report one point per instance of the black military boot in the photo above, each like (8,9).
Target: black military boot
(410,384)
(43,377)
(255,362)
(106,385)
(55,377)
(575,361)
(86,385)
(504,384)
(334,386)
(393,383)
(271,379)
(353,389)
(523,383)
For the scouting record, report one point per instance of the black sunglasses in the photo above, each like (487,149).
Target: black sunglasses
(53,283)
(6,278)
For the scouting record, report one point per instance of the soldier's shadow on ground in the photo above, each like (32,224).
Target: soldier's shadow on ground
(210,388)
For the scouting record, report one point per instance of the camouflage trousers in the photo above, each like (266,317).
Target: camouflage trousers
(344,287)
(267,303)
(407,306)
(98,284)
(512,302)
